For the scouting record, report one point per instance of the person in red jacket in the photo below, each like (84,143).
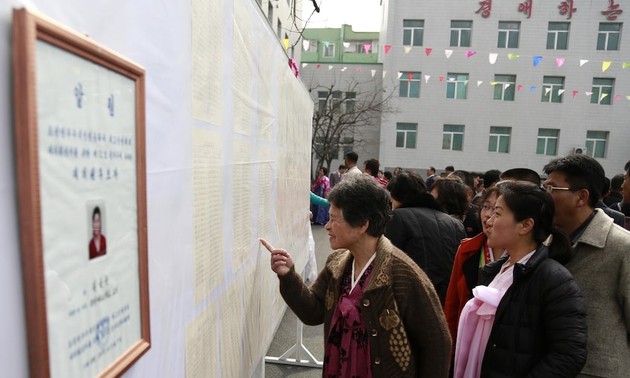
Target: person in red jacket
(98,244)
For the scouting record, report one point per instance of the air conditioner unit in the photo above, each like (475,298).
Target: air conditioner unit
(579,150)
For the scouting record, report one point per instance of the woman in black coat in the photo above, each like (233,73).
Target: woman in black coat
(538,326)
(422,230)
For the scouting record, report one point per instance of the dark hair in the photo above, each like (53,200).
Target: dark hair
(97,210)
(409,189)
(528,200)
(432,169)
(352,156)
(627,166)
(605,187)
(521,174)
(325,170)
(582,172)
(361,200)
(491,177)
(467,177)
(485,196)
(388,175)
(452,195)
(373,165)
(615,183)
(341,166)
(449,168)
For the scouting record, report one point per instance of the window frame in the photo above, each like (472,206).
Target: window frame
(509,34)
(455,136)
(556,34)
(548,142)
(554,90)
(415,33)
(409,137)
(593,142)
(459,86)
(404,81)
(494,133)
(461,31)
(500,88)
(604,45)
(598,89)
(326,48)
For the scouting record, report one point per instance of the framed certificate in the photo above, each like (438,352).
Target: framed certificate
(80,145)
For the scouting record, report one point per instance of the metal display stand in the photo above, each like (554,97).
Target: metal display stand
(293,356)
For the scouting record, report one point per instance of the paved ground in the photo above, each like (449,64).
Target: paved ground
(313,337)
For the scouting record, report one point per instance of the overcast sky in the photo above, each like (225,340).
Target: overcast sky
(363,15)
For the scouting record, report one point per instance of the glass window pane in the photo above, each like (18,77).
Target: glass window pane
(563,41)
(492,144)
(551,146)
(414,90)
(403,89)
(498,90)
(458,142)
(540,146)
(504,143)
(461,91)
(450,90)
(446,141)
(599,149)
(502,36)
(601,41)
(406,37)
(418,35)
(513,40)
(589,147)
(400,139)
(411,140)
(465,38)
(551,39)
(454,37)
(613,41)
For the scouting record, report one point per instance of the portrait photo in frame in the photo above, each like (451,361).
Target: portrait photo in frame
(79,114)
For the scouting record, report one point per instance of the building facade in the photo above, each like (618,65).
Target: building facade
(284,18)
(340,69)
(500,84)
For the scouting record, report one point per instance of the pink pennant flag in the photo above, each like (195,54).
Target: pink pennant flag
(410,76)
(428,51)
(470,53)
(559,62)
(617,97)
(574,93)
(441,78)
(367,47)
(319,65)
(588,93)
(519,87)
(387,48)
(358,69)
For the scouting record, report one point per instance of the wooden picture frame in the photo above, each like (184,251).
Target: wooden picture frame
(79,114)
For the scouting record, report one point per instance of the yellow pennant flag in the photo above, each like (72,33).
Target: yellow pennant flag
(285,43)
(625,65)
(513,56)
(606,65)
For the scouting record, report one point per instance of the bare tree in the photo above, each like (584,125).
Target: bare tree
(342,116)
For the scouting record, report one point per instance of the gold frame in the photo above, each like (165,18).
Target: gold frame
(28,27)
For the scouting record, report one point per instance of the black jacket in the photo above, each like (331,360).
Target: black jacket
(540,325)
(430,237)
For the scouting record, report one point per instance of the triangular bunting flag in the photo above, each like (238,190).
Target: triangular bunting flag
(532,88)
(428,51)
(358,69)
(588,93)
(306,44)
(407,49)
(304,65)
(399,74)
(506,85)
(574,93)
(606,65)
(479,82)
(628,98)
(625,65)
(448,53)
(384,74)
(513,56)
(318,65)
(493,83)
(537,60)
(343,69)
(547,90)
(470,53)
(367,47)
(441,78)
(330,67)
(492,57)
(602,96)
(373,72)
(426,78)
(409,75)
(560,92)
(559,62)
(583,62)
(451,79)
(519,87)
(387,48)
(346,44)
(617,97)
(285,43)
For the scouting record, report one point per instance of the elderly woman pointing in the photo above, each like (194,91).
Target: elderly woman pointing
(381,315)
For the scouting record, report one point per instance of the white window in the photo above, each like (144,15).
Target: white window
(329,50)
(453,137)
(504,87)
(456,86)
(409,84)
(602,91)
(312,46)
(553,88)
(596,143)
(406,135)
(608,36)
(461,32)
(547,142)
(558,36)
(499,139)
(413,32)
(351,100)
(508,34)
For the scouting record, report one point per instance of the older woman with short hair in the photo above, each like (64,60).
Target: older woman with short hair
(381,315)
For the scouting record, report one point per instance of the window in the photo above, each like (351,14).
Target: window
(504,87)
(413,32)
(409,85)
(558,36)
(608,36)
(508,34)
(336,101)
(499,139)
(602,91)
(456,86)
(270,13)
(547,143)
(460,33)
(312,46)
(406,135)
(453,137)
(553,88)
(322,99)
(329,50)
(359,46)
(351,100)
(596,143)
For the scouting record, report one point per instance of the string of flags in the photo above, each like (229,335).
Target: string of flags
(492,59)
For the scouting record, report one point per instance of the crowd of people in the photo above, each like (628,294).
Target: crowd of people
(501,274)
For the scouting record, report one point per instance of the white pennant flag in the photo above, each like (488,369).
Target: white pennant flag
(384,74)
(306,44)
(304,65)
(343,69)
(560,92)
(506,85)
(588,93)
(407,49)
(479,82)
(448,53)
(426,78)
(492,57)
(346,44)
(583,62)
(373,72)
(602,96)
(329,68)
(399,74)
(547,90)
